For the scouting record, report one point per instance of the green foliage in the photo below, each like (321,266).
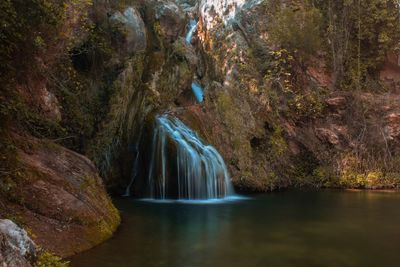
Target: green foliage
(282,76)
(357,172)
(278,143)
(46,259)
(25,25)
(280,72)
(296,27)
(9,165)
(33,29)
(358,36)
(27,29)
(77,102)
(308,105)
(308,171)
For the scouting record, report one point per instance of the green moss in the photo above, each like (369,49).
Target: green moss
(373,179)
(103,229)
(296,27)
(159,35)
(271,180)
(88,181)
(224,102)
(47,259)
(229,112)
(308,105)
(278,143)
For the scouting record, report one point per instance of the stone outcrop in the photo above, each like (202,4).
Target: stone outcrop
(267,133)
(392,126)
(132,31)
(269,138)
(60,198)
(269,143)
(16,248)
(171,20)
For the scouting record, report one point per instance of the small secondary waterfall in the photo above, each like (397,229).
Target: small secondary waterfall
(198,92)
(183,167)
(134,171)
(192,29)
(196,88)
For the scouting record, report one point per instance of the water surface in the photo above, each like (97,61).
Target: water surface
(327,228)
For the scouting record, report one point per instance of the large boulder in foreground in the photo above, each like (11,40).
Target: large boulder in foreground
(59,197)
(16,248)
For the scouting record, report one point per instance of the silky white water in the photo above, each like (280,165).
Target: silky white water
(198,92)
(183,167)
(192,29)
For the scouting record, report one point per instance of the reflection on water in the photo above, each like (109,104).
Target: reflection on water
(208,201)
(286,229)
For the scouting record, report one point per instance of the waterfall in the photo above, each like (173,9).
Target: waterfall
(198,92)
(134,171)
(192,28)
(183,167)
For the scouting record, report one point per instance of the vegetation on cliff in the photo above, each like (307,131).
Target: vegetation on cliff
(312,73)
(293,95)
(354,38)
(48,107)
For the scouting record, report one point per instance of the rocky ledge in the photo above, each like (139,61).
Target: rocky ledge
(59,197)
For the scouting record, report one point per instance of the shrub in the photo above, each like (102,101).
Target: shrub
(297,28)
(46,259)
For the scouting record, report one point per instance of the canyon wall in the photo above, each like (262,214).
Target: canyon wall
(77,113)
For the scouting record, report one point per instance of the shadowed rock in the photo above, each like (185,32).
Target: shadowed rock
(132,29)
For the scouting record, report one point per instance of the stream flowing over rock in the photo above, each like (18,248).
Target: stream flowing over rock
(85,86)
(207,63)
(183,167)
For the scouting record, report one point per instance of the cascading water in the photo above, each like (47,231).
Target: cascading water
(198,92)
(134,171)
(183,167)
(192,29)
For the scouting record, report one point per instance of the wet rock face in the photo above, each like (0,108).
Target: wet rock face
(239,103)
(131,29)
(16,248)
(231,115)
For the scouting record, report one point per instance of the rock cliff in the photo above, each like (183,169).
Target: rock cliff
(97,73)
